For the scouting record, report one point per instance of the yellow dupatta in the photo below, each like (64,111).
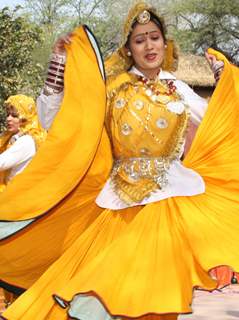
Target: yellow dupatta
(72,141)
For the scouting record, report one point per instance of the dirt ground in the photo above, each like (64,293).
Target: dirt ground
(216,305)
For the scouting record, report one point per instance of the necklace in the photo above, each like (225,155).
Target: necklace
(158,91)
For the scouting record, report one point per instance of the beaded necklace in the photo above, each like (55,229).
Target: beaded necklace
(152,88)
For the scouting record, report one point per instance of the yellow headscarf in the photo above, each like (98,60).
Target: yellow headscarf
(119,62)
(26,109)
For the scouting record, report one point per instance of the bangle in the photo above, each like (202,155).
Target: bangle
(49,91)
(55,74)
(58,58)
(217,69)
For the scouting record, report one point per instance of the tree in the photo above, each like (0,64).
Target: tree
(18,40)
(48,14)
(198,25)
(99,17)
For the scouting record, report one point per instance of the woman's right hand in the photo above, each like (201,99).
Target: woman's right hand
(59,46)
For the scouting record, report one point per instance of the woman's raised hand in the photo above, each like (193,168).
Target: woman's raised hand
(59,46)
(216,65)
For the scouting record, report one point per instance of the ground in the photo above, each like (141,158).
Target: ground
(216,305)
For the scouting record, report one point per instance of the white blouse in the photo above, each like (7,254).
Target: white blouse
(18,155)
(182,181)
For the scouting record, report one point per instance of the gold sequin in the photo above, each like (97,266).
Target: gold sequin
(149,92)
(154,97)
(145,151)
(120,103)
(162,123)
(176,107)
(126,129)
(139,104)
(163,99)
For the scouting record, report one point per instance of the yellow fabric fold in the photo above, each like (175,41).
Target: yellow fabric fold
(72,141)
(214,150)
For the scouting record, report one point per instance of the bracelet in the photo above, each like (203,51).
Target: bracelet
(54,82)
(60,58)
(49,90)
(217,69)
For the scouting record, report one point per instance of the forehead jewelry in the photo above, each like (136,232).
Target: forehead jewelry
(143,17)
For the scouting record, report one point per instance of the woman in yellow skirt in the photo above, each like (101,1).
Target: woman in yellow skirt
(113,225)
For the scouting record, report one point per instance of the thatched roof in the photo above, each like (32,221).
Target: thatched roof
(194,70)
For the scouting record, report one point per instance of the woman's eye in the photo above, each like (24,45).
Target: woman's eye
(14,115)
(139,41)
(155,38)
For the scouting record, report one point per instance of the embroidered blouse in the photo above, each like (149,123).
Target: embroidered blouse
(145,123)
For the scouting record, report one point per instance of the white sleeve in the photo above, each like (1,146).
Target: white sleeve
(47,108)
(197,104)
(22,150)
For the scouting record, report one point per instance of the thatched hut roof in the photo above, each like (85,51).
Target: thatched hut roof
(194,70)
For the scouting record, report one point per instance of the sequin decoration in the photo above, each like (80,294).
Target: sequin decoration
(144,151)
(120,103)
(162,123)
(139,104)
(149,92)
(154,97)
(176,106)
(126,129)
(163,99)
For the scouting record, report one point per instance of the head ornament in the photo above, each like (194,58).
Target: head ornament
(143,17)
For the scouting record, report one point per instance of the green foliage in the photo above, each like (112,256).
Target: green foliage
(2,118)
(18,40)
(198,25)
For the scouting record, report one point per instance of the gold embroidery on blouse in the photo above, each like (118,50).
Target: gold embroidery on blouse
(156,126)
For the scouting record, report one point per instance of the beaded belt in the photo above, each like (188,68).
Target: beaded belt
(134,179)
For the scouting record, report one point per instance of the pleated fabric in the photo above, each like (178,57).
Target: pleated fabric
(66,173)
(142,262)
(72,141)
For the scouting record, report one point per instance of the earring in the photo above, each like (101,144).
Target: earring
(129,54)
(165,46)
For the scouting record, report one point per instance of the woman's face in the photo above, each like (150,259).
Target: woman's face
(147,47)
(13,122)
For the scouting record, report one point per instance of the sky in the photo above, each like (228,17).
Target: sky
(10,3)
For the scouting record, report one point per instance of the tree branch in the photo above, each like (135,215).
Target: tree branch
(188,21)
(94,7)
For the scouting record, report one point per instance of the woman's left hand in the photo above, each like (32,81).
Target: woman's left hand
(216,65)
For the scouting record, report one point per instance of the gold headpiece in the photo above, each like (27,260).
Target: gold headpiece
(118,61)
(143,17)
